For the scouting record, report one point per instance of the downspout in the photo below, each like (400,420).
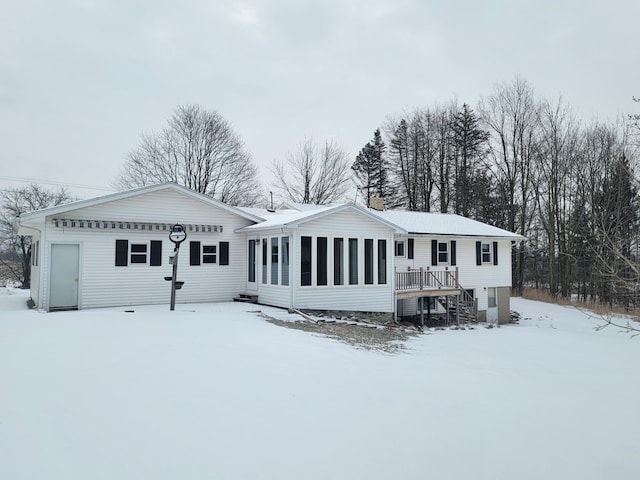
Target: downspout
(42,232)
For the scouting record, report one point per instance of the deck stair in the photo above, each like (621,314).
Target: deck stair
(460,307)
(246,298)
(463,309)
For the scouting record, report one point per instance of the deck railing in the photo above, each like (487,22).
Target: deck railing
(426,278)
(421,279)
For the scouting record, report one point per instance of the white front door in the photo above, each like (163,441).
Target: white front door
(65,262)
(492,305)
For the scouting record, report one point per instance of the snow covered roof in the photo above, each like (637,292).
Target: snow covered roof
(420,223)
(292,218)
(442,224)
(41,214)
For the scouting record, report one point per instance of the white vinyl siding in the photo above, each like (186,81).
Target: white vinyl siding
(354,227)
(471,275)
(103,284)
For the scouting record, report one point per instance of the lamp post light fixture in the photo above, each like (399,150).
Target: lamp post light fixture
(177,236)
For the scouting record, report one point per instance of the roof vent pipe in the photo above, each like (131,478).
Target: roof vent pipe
(271,209)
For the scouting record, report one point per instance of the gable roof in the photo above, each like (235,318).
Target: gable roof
(292,218)
(424,223)
(38,215)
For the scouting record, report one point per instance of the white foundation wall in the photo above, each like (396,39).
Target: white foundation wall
(102,284)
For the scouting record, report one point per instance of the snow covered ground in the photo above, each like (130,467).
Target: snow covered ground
(216,392)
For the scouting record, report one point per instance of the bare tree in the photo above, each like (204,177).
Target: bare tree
(558,166)
(511,116)
(15,250)
(313,174)
(199,150)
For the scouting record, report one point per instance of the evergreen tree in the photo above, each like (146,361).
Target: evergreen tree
(371,169)
(469,143)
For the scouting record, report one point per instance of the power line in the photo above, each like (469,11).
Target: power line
(48,182)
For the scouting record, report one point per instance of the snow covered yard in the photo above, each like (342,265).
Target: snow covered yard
(215,391)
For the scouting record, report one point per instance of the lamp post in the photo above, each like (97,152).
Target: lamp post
(177,236)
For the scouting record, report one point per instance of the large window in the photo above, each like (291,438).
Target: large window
(353,261)
(305,260)
(264,260)
(284,245)
(368,261)
(274,260)
(251,277)
(338,261)
(321,260)
(382,262)
(224,253)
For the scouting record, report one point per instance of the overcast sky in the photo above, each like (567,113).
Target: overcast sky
(81,80)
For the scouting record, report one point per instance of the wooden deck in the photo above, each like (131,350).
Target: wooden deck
(426,282)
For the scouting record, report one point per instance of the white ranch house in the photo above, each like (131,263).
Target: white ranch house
(114,251)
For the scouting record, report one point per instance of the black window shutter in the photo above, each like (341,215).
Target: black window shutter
(453,253)
(495,253)
(434,252)
(194,253)
(155,260)
(122,253)
(224,253)
(410,248)
(478,253)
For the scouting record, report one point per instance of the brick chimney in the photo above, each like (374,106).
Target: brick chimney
(376,203)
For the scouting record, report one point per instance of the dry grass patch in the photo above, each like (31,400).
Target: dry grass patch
(597,308)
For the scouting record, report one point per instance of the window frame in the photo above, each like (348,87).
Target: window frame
(382,261)
(251,261)
(285,261)
(338,261)
(322,258)
(369,261)
(210,256)
(353,261)
(486,256)
(445,252)
(274,257)
(264,261)
(306,261)
(398,248)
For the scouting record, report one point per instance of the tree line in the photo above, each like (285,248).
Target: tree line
(528,165)
(516,161)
